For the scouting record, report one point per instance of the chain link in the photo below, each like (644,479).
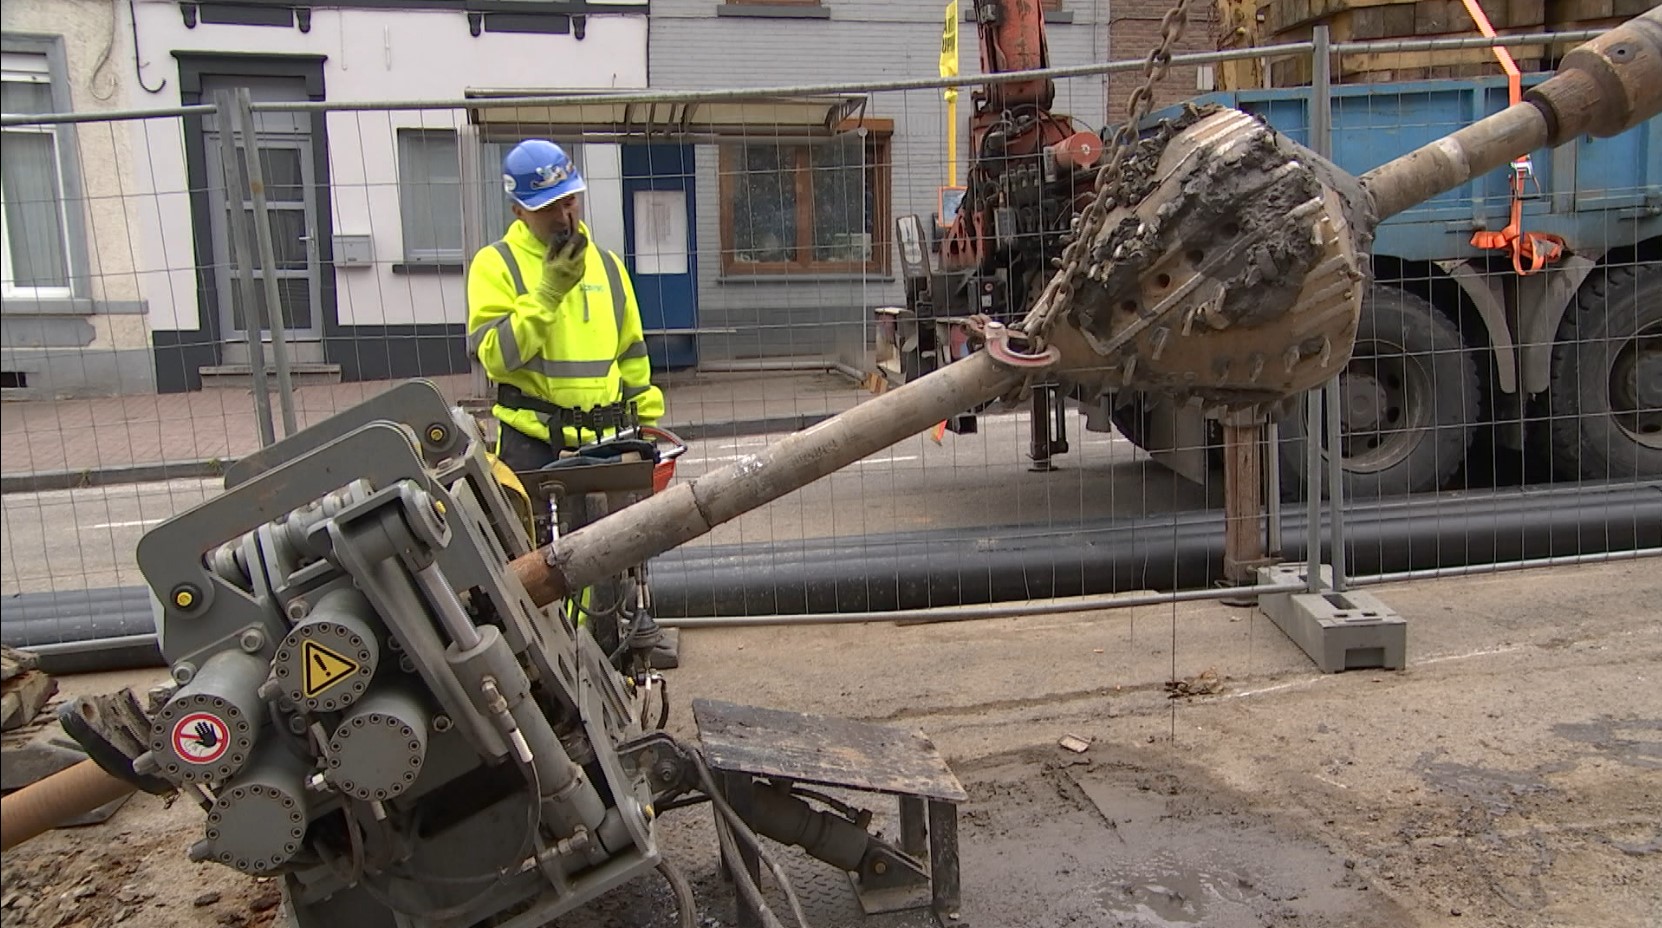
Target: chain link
(1058,292)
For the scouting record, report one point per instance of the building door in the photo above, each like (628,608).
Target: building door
(658,228)
(286,159)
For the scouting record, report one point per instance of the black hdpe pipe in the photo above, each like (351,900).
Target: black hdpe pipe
(83,631)
(104,629)
(1185,551)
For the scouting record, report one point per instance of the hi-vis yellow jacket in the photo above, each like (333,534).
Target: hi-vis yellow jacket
(586,352)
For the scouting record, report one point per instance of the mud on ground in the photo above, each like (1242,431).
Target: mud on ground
(1511,777)
(130,871)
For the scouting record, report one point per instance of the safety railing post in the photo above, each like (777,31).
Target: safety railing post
(1272,488)
(1321,138)
(1313,491)
(273,316)
(242,256)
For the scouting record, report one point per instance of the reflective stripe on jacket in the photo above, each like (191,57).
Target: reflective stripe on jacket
(586,352)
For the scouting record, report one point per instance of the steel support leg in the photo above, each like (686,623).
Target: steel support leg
(914,827)
(1243,550)
(943,861)
(1048,427)
(737,786)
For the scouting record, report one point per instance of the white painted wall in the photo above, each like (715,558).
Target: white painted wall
(371,56)
(114,356)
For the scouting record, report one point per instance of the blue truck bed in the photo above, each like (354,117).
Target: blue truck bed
(1597,194)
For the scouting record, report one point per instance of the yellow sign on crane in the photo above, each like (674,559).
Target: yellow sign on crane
(949,68)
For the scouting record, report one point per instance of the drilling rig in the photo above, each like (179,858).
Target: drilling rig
(1031,171)
(381,701)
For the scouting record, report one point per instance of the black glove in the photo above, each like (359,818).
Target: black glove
(562,269)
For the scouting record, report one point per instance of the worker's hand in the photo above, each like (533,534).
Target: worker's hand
(563,269)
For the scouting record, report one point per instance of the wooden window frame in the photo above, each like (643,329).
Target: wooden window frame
(730,166)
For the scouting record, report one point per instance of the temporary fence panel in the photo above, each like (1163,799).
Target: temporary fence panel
(757,231)
(1500,376)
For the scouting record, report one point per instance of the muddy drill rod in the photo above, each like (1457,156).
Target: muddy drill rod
(1603,87)
(689,510)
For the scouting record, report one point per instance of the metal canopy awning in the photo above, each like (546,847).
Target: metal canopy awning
(729,117)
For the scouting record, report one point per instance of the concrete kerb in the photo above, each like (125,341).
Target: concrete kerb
(119,475)
(42,481)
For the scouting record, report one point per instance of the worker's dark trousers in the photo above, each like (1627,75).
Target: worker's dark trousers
(520,451)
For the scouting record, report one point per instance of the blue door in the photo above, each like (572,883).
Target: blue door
(661,239)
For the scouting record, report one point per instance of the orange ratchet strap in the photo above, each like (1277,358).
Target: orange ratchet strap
(1539,249)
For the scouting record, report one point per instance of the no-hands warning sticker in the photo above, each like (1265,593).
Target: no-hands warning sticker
(201,738)
(324,668)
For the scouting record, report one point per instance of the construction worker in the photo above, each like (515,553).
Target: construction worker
(552,319)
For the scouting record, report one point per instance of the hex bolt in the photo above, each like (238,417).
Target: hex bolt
(299,609)
(252,640)
(184,672)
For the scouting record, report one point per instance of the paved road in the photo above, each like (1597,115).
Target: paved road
(73,539)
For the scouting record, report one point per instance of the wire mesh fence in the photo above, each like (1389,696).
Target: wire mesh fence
(757,232)
(1497,383)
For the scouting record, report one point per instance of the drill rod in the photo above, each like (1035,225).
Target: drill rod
(1602,88)
(45,804)
(688,510)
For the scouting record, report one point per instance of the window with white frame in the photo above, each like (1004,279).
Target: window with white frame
(34,228)
(430,195)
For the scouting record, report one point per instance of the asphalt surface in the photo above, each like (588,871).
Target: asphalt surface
(1506,779)
(78,539)
(85,538)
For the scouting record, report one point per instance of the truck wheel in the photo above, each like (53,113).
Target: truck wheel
(1410,398)
(1606,398)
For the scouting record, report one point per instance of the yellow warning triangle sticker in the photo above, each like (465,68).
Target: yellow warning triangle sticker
(324,668)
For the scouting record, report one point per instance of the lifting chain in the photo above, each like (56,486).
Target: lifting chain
(1058,292)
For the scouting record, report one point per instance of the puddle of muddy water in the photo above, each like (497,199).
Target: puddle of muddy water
(1637,742)
(1116,847)
(1498,791)
(1166,891)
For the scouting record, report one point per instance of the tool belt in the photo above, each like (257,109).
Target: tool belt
(619,418)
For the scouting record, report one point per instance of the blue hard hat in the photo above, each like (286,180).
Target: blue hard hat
(537,172)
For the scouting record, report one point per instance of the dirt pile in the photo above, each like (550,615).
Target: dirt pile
(132,878)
